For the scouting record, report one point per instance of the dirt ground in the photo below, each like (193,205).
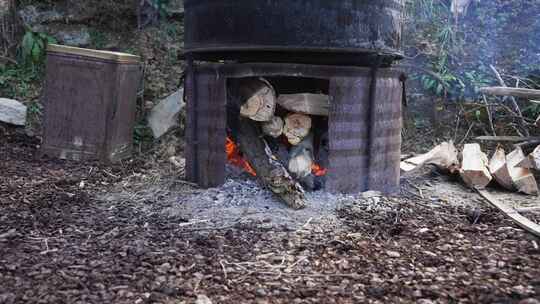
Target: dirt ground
(83,233)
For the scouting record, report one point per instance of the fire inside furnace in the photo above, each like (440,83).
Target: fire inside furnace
(234,157)
(317,170)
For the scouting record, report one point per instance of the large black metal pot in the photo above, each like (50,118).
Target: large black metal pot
(313,31)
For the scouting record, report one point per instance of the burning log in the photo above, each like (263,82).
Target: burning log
(474,170)
(522,178)
(498,167)
(260,99)
(234,157)
(301,157)
(270,171)
(297,126)
(274,127)
(312,104)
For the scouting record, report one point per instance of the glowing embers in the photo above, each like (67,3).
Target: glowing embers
(234,157)
(317,170)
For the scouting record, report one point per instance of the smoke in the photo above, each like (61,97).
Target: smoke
(503,33)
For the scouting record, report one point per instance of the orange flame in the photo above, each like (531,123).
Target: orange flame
(318,170)
(233,156)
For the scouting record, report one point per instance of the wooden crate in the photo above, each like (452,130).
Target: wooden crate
(90,103)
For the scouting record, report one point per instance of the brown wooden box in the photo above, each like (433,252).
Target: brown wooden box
(90,103)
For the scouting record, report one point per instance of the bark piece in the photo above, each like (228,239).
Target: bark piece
(474,169)
(269,171)
(522,178)
(274,127)
(312,104)
(301,157)
(443,156)
(498,168)
(260,99)
(166,115)
(297,126)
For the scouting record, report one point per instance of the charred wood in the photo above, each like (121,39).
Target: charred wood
(269,171)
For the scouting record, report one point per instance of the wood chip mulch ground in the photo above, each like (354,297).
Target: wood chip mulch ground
(58,244)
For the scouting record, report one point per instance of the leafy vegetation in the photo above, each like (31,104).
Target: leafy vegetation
(440,44)
(19,80)
(34,47)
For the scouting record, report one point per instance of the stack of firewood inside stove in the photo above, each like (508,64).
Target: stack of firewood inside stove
(284,137)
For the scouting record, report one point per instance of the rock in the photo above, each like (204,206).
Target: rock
(370,194)
(165,115)
(203,299)
(12,112)
(74,36)
(393,254)
(260,292)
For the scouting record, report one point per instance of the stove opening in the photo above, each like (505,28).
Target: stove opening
(288,118)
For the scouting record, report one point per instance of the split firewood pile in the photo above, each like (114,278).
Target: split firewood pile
(279,136)
(512,171)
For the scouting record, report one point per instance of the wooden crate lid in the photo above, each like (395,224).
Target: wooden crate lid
(107,55)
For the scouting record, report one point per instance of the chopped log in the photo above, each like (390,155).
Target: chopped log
(312,104)
(297,126)
(259,97)
(515,92)
(511,213)
(499,169)
(474,169)
(269,171)
(443,156)
(301,157)
(532,161)
(522,178)
(525,163)
(534,157)
(274,127)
